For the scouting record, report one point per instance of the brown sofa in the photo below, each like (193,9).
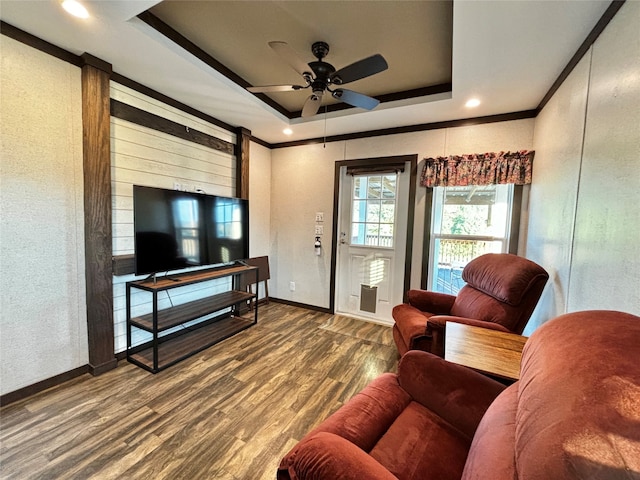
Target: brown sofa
(574,414)
(501,292)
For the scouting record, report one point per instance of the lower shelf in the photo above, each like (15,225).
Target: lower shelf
(192,341)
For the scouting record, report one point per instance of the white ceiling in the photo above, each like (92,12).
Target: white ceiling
(505,53)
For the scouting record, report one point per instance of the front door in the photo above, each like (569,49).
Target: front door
(371,243)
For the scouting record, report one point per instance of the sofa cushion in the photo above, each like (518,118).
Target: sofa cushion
(579,399)
(420,445)
(491,455)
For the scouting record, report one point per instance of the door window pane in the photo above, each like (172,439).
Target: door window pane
(372,234)
(389,186)
(374,187)
(360,187)
(373,210)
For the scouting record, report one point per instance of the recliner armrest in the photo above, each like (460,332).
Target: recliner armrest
(364,419)
(458,394)
(329,456)
(432,302)
(439,321)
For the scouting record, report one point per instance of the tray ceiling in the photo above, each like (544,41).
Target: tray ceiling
(414,37)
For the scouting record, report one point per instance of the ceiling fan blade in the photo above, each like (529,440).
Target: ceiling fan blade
(360,69)
(312,105)
(275,88)
(290,56)
(356,99)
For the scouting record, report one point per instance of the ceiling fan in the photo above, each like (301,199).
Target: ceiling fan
(321,76)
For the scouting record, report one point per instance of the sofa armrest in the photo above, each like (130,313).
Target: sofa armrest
(329,456)
(439,321)
(458,394)
(432,302)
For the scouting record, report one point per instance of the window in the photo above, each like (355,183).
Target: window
(373,210)
(466,222)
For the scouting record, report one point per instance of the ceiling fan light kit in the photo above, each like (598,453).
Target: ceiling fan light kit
(320,76)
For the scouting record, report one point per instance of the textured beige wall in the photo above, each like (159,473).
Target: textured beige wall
(605,270)
(43,330)
(302,184)
(584,218)
(552,200)
(259,200)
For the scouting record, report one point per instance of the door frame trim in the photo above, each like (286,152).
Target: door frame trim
(413,172)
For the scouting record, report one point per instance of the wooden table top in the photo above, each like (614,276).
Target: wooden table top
(488,351)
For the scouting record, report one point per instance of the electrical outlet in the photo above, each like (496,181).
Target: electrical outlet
(319,217)
(319,230)
(292,286)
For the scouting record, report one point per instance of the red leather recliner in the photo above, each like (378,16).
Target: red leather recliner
(501,292)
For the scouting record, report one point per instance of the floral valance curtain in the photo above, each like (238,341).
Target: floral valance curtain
(478,169)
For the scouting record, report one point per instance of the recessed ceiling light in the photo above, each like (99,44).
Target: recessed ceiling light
(287,131)
(474,102)
(75,8)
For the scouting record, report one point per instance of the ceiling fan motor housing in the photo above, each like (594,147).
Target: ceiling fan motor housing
(320,50)
(322,70)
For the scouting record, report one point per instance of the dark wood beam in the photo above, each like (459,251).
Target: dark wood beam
(97,213)
(243,142)
(161,124)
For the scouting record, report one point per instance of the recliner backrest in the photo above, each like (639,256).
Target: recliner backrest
(501,288)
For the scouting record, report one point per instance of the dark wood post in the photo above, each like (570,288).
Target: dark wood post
(97,212)
(243,139)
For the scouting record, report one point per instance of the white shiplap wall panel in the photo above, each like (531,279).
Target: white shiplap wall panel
(139,100)
(123,245)
(122,230)
(126,167)
(119,200)
(135,140)
(143,156)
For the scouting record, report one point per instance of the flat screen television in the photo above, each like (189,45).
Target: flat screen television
(176,230)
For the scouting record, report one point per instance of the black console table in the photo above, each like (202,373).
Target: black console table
(231,309)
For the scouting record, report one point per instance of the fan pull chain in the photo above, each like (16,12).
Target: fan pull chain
(324,142)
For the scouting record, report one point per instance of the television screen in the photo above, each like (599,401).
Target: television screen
(175,230)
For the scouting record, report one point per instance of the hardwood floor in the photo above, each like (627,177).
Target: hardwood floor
(230,412)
